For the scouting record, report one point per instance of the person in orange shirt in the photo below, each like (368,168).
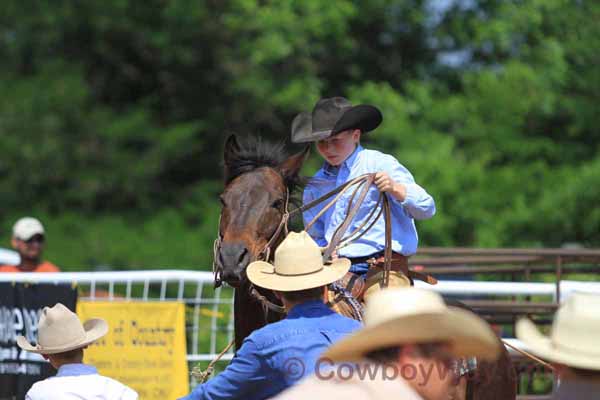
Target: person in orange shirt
(28,240)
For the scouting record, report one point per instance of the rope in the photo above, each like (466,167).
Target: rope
(338,241)
(202,376)
(365,181)
(216,265)
(349,239)
(528,355)
(347,296)
(266,303)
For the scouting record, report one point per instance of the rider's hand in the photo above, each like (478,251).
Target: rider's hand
(334,255)
(386,184)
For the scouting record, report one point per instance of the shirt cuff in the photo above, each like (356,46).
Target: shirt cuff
(411,196)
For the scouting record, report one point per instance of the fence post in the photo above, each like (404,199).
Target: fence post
(558,277)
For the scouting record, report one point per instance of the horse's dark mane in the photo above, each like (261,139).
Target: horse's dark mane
(254,153)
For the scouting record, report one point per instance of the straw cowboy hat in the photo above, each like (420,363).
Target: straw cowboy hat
(574,337)
(298,265)
(60,330)
(331,116)
(394,317)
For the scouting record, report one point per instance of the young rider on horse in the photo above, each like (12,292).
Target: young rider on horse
(336,126)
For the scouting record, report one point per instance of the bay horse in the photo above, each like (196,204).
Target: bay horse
(260,180)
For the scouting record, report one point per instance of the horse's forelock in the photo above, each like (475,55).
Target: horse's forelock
(253,153)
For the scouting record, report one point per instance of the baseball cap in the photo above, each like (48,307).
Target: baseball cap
(27,227)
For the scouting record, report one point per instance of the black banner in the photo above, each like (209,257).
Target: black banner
(20,308)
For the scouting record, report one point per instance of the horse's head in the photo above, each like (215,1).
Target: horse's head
(258,182)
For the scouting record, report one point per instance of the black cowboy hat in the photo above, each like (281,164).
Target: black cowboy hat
(331,116)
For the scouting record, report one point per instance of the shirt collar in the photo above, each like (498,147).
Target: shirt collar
(350,160)
(76,370)
(331,170)
(311,308)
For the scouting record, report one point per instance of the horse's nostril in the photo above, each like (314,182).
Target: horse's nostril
(243,256)
(234,258)
(221,258)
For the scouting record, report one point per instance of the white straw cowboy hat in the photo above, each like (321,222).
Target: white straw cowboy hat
(298,265)
(60,330)
(394,317)
(574,337)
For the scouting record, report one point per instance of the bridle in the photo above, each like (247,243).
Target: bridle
(264,254)
(338,240)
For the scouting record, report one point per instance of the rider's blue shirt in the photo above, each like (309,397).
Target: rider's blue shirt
(276,356)
(417,205)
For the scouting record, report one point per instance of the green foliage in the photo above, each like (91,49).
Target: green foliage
(113,114)
(178,237)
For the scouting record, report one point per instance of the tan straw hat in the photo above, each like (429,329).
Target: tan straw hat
(298,265)
(396,317)
(574,340)
(60,330)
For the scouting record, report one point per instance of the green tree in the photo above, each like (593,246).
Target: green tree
(113,113)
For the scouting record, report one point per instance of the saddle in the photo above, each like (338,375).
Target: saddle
(347,295)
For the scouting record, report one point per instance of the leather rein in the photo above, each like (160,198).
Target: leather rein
(360,186)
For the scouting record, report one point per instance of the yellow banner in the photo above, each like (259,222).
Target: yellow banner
(145,347)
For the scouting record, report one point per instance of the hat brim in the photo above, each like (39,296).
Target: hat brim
(94,330)
(543,347)
(29,235)
(467,335)
(364,117)
(263,274)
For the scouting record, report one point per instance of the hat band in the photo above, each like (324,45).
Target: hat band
(323,132)
(573,350)
(300,274)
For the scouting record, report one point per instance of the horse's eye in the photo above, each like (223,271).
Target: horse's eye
(277,204)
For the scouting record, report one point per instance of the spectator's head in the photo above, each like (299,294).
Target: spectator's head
(28,239)
(413,330)
(62,337)
(298,273)
(572,346)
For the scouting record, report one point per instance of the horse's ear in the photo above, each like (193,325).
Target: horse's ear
(291,166)
(232,147)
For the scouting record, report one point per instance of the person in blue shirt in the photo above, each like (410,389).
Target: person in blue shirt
(336,126)
(278,355)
